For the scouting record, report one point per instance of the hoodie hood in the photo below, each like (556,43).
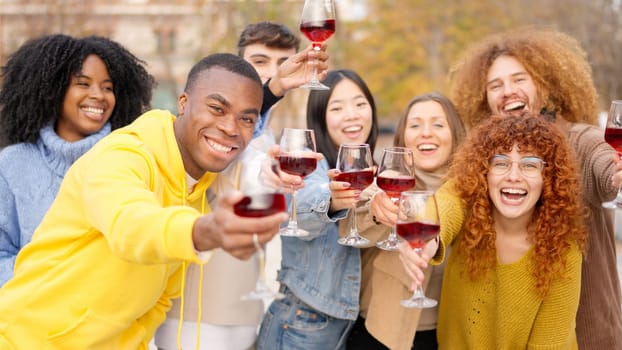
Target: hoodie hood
(159,138)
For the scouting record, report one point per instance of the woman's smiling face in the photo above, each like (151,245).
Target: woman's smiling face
(348,114)
(513,194)
(428,135)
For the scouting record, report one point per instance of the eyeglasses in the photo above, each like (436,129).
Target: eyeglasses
(528,166)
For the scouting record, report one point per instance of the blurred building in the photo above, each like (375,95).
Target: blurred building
(170,35)
(163,33)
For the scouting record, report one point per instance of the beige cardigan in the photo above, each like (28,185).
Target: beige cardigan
(384,282)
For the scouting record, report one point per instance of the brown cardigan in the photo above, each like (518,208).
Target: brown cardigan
(599,318)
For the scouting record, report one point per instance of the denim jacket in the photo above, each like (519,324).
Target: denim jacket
(318,270)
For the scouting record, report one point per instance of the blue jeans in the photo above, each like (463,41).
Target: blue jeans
(291,324)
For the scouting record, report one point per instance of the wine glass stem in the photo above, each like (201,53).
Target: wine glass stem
(353,229)
(316,48)
(618,199)
(418,292)
(392,234)
(293,222)
(262,265)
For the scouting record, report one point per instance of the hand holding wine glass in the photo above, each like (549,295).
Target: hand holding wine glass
(317,23)
(395,174)
(613,136)
(297,157)
(355,166)
(418,222)
(260,200)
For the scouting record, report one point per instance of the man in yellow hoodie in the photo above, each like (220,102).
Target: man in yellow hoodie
(105,262)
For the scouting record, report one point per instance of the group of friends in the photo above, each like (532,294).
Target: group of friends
(117,223)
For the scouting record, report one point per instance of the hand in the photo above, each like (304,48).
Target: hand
(341,196)
(414,263)
(288,183)
(234,234)
(383,208)
(298,69)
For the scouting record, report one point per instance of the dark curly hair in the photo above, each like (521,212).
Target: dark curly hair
(558,219)
(556,62)
(36,78)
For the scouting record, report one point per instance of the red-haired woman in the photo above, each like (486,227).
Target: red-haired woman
(513,215)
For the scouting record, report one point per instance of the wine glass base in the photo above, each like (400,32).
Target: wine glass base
(315,86)
(420,303)
(353,241)
(262,293)
(293,232)
(612,205)
(389,244)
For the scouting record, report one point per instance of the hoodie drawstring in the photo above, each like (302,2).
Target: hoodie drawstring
(183,287)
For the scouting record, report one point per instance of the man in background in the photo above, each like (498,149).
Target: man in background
(228,323)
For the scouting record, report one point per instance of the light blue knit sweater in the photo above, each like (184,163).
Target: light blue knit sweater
(30,176)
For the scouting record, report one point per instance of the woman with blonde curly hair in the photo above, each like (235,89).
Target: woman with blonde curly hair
(513,278)
(546,71)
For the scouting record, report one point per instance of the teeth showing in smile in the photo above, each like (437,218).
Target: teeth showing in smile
(353,129)
(218,147)
(513,193)
(93,110)
(427,147)
(513,106)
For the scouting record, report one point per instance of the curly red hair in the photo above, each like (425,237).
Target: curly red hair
(555,61)
(558,219)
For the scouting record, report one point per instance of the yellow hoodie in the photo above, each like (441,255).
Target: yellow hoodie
(104,264)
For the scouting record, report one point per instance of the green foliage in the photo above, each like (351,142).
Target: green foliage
(402,48)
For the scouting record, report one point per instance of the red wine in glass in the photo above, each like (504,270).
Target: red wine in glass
(259,205)
(318,31)
(418,233)
(417,223)
(613,136)
(393,186)
(301,166)
(317,23)
(359,180)
(355,166)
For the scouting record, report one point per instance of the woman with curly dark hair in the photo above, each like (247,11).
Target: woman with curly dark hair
(59,96)
(513,278)
(546,71)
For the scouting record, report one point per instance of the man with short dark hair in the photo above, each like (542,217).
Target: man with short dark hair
(228,323)
(110,254)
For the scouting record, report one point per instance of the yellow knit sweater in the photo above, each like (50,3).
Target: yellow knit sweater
(502,310)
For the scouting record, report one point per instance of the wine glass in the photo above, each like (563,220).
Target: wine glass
(418,223)
(395,174)
(296,158)
(317,23)
(613,136)
(260,200)
(355,166)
